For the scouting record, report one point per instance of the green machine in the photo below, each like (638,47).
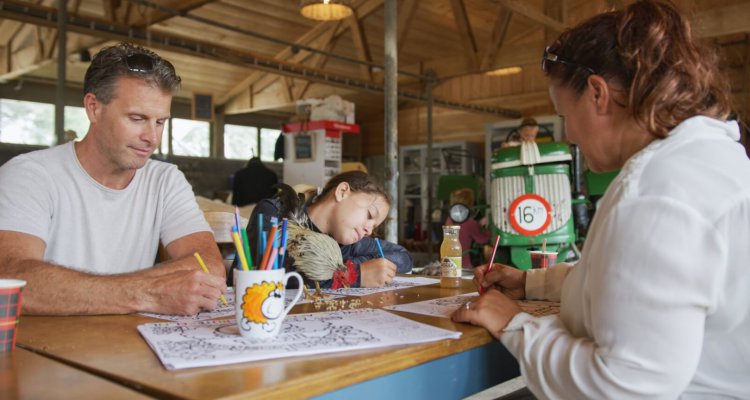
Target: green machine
(531,202)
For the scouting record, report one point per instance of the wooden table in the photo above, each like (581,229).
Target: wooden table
(111,347)
(25,375)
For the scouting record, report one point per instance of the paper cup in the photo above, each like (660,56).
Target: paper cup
(259,301)
(542,259)
(10,311)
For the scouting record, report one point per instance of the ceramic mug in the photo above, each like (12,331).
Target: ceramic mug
(259,301)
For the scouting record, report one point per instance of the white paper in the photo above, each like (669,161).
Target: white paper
(442,307)
(208,343)
(399,282)
(445,306)
(222,310)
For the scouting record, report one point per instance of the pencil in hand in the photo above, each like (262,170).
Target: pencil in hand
(380,248)
(205,269)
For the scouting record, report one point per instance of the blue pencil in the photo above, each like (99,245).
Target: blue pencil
(282,250)
(259,253)
(380,248)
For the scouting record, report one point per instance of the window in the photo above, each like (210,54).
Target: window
(190,138)
(268,143)
(240,142)
(164,147)
(76,120)
(27,122)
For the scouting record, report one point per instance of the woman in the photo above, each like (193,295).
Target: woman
(658,306)
(348,209)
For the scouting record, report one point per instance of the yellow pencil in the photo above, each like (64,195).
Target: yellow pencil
(240,252)
(205,269)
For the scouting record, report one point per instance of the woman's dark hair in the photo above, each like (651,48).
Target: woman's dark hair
(359,182)
(648,48)
(125,59)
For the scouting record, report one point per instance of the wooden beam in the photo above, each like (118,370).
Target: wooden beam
(523,8)
(464,29)
(499,30)
(405,16)
(153,16)
(365,9)
(319,61)
(360,43)
(110,9)
(558,10)
(23,64)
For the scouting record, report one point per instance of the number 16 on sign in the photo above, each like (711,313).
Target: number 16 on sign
(530,214)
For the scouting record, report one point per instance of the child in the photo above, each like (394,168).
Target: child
(348,209)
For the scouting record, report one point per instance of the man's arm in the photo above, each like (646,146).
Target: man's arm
(172,288)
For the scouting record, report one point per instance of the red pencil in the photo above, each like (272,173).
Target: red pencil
(492,259)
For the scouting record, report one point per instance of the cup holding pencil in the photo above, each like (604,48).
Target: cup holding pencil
(259,301)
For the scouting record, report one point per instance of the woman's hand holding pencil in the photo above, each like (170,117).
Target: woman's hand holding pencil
(508,280)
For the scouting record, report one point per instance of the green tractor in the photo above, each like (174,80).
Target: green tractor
(531,202)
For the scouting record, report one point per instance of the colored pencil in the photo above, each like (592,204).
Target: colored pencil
(492,259)
(272,259)
(269,245)
(282,249)
(380,248)
(205,269)
(246,247)
(240,250)
(259,254)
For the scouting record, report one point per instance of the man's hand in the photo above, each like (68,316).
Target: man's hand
(377,272)
(508,280)
(180,291)
(492,310)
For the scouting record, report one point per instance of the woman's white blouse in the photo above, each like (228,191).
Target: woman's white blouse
(659,304)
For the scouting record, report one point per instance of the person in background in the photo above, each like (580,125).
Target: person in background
(82,222)
(657,306)
(349,209)
(471,230)
(526,133)
(253,183)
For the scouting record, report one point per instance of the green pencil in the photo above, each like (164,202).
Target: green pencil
(246,247)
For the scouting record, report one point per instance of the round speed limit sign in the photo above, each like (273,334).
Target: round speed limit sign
(530,214)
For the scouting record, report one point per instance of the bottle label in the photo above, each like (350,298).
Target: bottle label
(450,267)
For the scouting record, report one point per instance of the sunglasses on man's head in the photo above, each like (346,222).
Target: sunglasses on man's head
(551,57)
(140,63)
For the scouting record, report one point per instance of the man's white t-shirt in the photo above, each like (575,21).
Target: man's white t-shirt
(87,226)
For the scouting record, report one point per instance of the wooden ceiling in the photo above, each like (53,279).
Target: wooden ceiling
(458,40)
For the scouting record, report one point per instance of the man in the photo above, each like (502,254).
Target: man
(81,222)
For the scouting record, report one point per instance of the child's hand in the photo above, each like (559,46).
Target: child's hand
(377,272)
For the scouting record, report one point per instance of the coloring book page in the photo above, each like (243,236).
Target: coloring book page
(222,311)
(445,306)
(442,307)
(217,342)
(399,282)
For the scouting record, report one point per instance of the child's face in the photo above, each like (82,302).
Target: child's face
(356,215)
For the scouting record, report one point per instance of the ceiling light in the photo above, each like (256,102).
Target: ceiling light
(326,10)
(504,71)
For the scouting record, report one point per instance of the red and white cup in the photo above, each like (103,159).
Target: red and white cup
(542,259)
(10,311)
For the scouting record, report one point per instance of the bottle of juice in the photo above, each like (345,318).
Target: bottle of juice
(450,258)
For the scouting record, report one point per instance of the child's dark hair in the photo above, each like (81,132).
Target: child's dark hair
(359,182)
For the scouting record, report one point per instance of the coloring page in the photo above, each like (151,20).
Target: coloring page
(399,282)
(445,306)
(217,342)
